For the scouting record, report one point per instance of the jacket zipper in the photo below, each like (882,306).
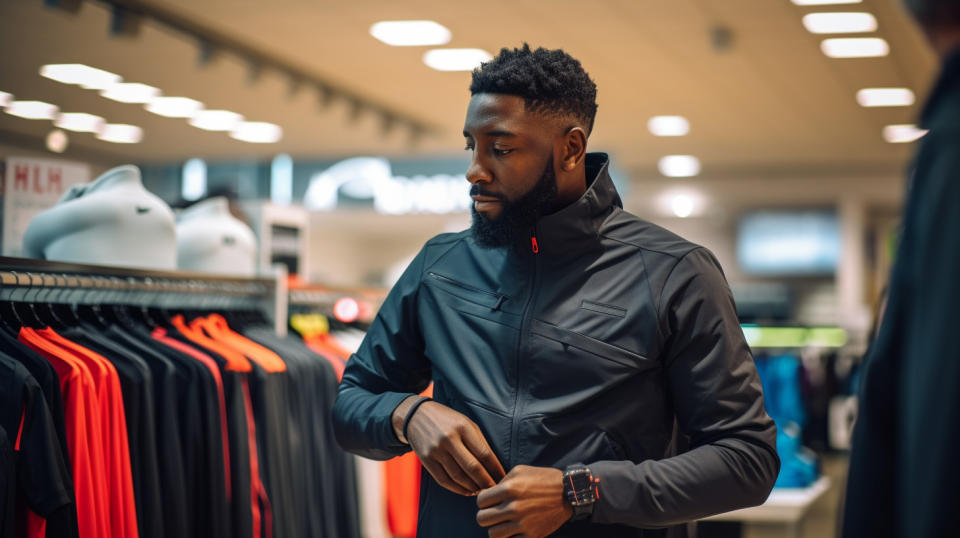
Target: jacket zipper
(524,322)
(500,297)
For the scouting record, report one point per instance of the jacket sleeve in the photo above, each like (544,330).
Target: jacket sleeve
(388,367)
(718,402)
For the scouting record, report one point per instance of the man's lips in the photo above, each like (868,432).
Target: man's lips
(484,203)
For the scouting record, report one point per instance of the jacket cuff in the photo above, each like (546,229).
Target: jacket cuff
(616,491)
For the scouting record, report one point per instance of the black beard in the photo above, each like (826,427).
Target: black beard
(517,218)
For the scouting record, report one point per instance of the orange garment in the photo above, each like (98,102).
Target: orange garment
(80,414)
(338,363)
(402,484)
(215,326)
(123,510)
(236,362)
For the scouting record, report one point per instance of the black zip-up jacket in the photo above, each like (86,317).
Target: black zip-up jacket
(616,344)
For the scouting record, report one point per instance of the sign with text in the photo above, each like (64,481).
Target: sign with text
(30,186)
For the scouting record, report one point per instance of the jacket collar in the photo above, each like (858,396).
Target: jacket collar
(577,226)
(947,85)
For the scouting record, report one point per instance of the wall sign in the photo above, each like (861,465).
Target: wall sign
(30,186)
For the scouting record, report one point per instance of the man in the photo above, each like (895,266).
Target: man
(904,476)
(574,348)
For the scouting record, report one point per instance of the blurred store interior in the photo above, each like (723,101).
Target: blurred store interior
(756,128)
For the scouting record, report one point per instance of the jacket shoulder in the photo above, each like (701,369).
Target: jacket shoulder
(440,244)
(646,236)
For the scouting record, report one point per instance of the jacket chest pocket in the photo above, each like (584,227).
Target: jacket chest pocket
(489,300)
(592,346)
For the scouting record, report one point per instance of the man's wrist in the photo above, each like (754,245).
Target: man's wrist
(399,414)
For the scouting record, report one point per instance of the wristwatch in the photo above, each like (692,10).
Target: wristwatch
(580,489)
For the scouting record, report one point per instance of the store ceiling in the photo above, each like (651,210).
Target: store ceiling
(771,104)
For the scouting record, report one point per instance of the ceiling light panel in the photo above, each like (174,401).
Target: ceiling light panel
(85,76)
(174,107)
(80,122)
(257,132)
(681,205)
(872,97)
(410,33)
(131,92)
(679,166)
(120,133)
(216,120)
(839,23)
(668,125)
(902,134)
(824,2)
(32,110)
(455,59)
(5,99)
(855,47)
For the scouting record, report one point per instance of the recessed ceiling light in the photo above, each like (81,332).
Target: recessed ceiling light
(839,23)
(824,2)
(455,59)
(87,77)
(410,33)
(668,125)
(131,92)
(216,120)
(855,47)
(682,205)
(80,122)
(174,107)
(32,110)
(257,132)
(679,166)
(57,141)
(885,97)
(5,99)
(901,134)
(121,133)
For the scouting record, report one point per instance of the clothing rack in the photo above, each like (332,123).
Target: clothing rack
(29,280)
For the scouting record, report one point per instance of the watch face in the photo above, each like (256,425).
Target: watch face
(580,489)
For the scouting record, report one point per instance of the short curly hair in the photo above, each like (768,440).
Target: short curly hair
(549,81)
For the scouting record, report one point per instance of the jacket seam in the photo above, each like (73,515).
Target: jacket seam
(659,301)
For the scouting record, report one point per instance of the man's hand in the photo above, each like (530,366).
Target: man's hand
(528,502)
(452,449)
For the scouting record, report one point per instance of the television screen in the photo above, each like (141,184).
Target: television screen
(788,243)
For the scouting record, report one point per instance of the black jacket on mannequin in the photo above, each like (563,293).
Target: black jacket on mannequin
(613,345)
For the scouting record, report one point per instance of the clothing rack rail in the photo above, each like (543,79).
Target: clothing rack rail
(28,280)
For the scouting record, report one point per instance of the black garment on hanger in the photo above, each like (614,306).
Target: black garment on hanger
(42,474)
(7,483)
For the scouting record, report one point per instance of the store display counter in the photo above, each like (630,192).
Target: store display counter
(785,506)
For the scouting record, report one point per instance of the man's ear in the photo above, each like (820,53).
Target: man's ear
(574,149)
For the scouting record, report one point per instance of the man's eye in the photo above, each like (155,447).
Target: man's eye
(468,148)
(501,152)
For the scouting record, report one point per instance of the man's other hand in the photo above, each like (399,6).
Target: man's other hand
(528,502)
(452,449)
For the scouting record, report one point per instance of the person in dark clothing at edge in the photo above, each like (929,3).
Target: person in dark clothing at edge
(904,479)
(590,375)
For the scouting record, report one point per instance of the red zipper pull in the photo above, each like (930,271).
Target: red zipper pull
(533,244)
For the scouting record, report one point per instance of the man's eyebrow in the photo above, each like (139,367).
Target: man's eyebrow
(498,133)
